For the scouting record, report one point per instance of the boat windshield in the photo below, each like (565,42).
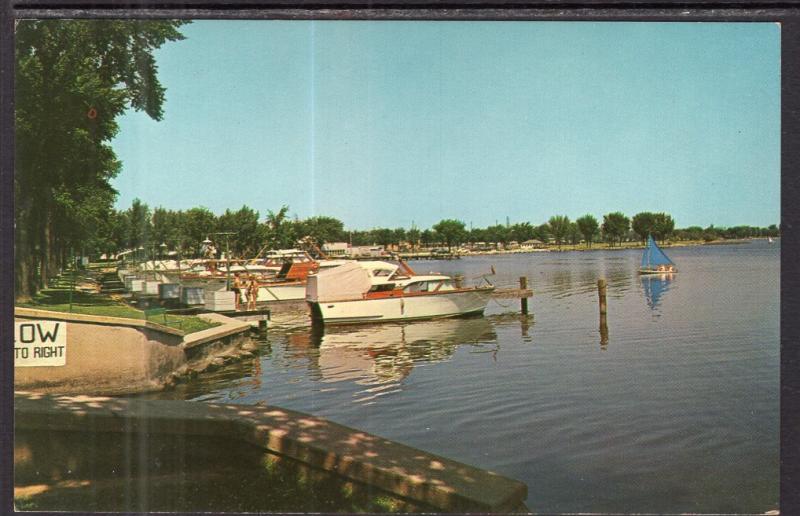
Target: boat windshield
(429,286)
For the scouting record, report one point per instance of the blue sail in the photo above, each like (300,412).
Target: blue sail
(653,256)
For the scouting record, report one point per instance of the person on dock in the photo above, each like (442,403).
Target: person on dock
(238,285)
(252,290)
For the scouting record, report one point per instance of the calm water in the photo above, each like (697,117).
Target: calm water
(678,412)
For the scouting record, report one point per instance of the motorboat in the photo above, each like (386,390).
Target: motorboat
(375,291)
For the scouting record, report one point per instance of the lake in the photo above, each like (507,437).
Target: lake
(677,412)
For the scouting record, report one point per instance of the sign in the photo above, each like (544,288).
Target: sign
(40,343)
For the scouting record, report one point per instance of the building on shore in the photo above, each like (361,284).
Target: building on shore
(345,250)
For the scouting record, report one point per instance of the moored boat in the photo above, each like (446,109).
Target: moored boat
(281,276)
(377,291)
(654,261)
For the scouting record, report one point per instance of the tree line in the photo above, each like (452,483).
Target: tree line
(157,230)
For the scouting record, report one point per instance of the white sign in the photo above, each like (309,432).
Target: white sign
(40,343)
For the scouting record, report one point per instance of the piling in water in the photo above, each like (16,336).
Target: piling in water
(601,293)
(523,302)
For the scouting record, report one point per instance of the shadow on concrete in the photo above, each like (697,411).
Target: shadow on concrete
(85,453)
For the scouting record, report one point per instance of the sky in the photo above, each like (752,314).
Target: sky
(394,123)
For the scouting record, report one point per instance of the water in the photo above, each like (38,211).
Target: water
(677,412)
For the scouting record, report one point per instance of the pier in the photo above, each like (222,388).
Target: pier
(421,255)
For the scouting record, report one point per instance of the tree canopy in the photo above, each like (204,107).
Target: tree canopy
(643,223)
(559,227)
(588,227)
(73,79)
(451,231)
(615,226)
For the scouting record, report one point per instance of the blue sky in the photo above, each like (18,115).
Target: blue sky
(385,123)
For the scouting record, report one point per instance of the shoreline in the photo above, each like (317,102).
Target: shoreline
(606,247)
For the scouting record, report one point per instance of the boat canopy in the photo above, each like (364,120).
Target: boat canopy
(348,281)
(653,256)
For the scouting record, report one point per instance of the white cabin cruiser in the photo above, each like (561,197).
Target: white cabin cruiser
(362,292)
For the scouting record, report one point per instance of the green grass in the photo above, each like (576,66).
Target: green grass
(57,300)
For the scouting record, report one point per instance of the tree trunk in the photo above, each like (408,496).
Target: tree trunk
(24,265)
(44,249)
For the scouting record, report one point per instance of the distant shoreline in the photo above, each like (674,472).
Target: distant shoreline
(605,247)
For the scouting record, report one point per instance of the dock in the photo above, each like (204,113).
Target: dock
(429,256)
(512,293)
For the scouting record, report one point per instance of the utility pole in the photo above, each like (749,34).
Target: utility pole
(227,235)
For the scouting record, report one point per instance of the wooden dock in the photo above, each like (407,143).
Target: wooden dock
(429,256)
(512,293)
(522,293)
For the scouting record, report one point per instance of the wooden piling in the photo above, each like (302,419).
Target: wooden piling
(601,293)
(523,302)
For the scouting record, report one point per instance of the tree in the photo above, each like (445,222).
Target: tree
(138,224)
(73,78)
(498,234)
(196,225)
(427,237)
(413,235)
(321,229)
(588,227)
(573,233)
(398,236)
(615,226)
(691,233)
(360,237)
(559,226)
(522,231)
(279,232)
(773,230)
(663,226)
(451,231)
(643,224)
(382,236)
(543,232)
(249,234)
(166,226)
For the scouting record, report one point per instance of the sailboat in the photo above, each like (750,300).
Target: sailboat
(654,261)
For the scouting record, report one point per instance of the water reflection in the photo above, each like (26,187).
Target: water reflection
(655,285)
(603,331)
(387,353)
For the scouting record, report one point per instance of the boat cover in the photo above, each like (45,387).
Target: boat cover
(348,281)
(653,256)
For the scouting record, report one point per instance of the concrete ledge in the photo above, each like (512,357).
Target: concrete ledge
(32,313)
(228,326)
(395,468)
(113,356)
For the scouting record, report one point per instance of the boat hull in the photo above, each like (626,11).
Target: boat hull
(653,271)
(282,293)
(402,308)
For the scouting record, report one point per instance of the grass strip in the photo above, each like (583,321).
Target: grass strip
(57,300)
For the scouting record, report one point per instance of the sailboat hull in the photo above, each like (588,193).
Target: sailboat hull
(655,271)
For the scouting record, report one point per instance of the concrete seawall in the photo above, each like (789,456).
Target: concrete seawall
(113,356)
(166,447)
